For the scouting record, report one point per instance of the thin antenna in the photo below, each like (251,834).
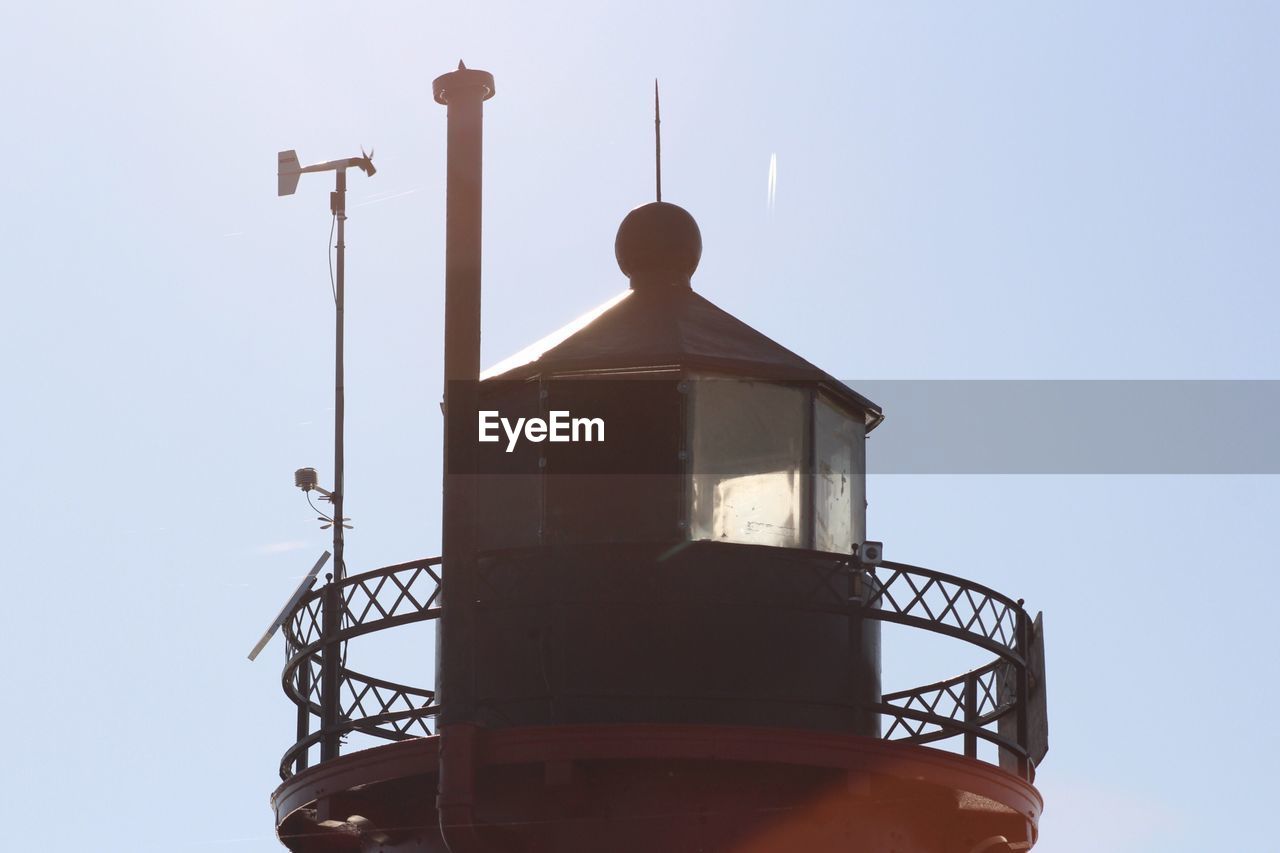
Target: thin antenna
(657,138)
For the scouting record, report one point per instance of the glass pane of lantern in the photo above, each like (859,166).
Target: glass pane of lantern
(747,455)
(839,484)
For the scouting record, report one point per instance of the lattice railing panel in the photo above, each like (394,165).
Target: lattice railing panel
(925,596)
(304,627)
(932,707)
(413,588)
(396,595)
(401,710)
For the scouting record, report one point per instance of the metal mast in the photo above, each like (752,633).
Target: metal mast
(288,172)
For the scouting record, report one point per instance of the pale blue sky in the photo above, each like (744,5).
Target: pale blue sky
(979,190)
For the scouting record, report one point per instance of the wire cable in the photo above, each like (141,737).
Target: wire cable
(329,253)
(344,616)
(314,508)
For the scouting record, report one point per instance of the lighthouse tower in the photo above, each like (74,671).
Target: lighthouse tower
(659,614)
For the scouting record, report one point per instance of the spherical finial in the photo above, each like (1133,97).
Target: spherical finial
(658,244)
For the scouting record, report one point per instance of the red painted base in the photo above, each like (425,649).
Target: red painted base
(651,788)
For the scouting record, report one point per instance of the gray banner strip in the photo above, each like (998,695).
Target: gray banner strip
(1074,426)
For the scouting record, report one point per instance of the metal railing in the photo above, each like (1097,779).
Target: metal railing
(991,703)
(965,706)
(373,601)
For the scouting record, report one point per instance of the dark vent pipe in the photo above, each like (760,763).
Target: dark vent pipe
(464,92)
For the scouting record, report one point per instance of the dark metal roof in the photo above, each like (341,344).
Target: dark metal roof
(666,327)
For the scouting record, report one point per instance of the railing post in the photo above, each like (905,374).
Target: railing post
(970,714)
(329,670)
(864,641)
(304,712)
(1023,705)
